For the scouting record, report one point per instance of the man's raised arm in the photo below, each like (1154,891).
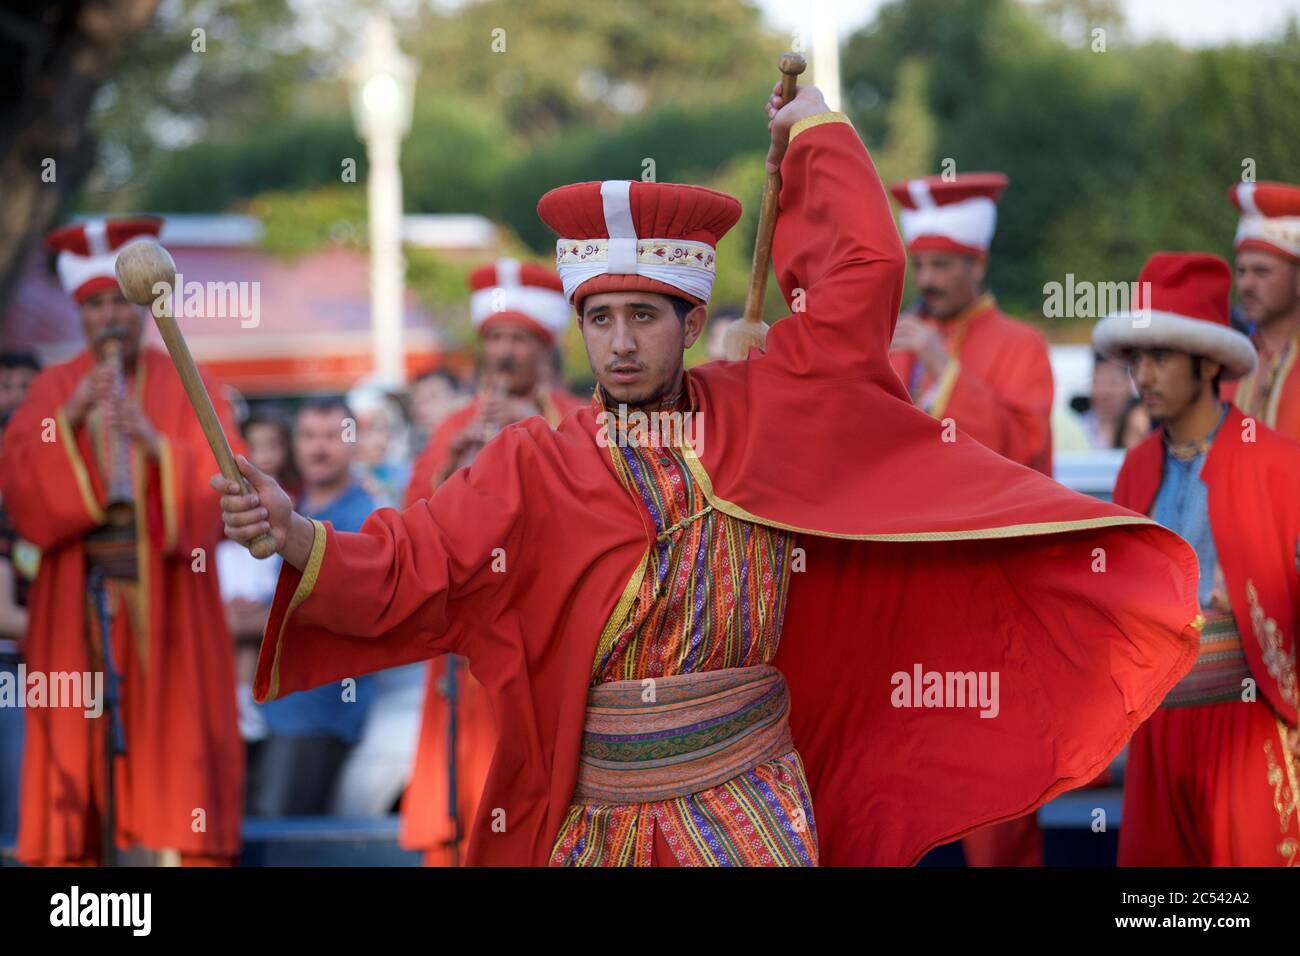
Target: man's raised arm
(838,256)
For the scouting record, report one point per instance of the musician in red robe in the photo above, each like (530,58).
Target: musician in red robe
(715,623)
(964,359)
(520,311)
(960,356)
(1211,778)
(111,483)
(1267,248)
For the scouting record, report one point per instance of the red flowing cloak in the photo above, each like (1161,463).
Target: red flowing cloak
(918,552)
(998,388)
(426,824)
(1252,481)
(180,784)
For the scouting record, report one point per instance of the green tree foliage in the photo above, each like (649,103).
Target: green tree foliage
(1113,152)
(550,66)
(206,72)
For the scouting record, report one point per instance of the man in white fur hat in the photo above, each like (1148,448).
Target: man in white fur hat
(1211,775)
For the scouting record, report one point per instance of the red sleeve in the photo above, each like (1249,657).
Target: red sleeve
(387,595)
(51,483)
(1013,415)
(838,257)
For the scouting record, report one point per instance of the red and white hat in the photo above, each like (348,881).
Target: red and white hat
(950,215)
(1180,303)
(512,291)
(618,236)
(88,252)
(1270,218)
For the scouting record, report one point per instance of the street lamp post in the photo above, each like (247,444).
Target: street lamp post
(383,83)
(826,52)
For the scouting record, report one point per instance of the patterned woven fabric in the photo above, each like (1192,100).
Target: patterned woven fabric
(667,737)
(1220,666)
(712,597)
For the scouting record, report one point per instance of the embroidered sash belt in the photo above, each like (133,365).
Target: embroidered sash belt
(1220,666)
(665,737)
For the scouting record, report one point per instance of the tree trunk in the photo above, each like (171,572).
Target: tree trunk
(56,56)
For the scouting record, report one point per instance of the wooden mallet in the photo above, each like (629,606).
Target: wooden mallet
(142,268)
(750,331)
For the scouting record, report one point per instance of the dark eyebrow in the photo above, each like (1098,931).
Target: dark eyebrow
(598,309)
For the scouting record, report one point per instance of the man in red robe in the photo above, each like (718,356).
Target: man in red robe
(520,311)
(959,355)
(552,565)
(1267,247)
(1211,777)
(84,439)
(964,359)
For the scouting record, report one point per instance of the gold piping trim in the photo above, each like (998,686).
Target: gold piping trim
(808,122)
(622,610)
(618,617)
(945,386)
(68,439)
(305,585)
(167,479)
(1279,383)
(1004,531)
(143,552)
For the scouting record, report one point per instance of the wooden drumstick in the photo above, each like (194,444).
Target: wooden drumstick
(142,268)
(750,331)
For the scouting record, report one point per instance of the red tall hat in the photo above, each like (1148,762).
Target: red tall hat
(618,236)
(1270,218)
(88,252)
(950,215)
(1180,303)
(510,291)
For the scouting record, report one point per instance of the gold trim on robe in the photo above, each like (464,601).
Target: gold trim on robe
(300,594)
(142,625)
(1005,531)
(808,122)
(68,439)
(167,487)
(1279,383)
(944,387)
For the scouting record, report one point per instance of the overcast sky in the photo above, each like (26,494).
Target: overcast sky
(1191,22)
